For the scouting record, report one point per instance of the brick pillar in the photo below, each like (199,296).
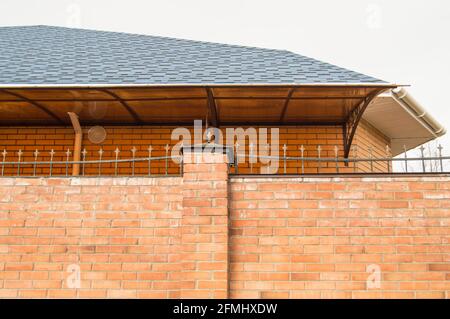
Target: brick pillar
(204,227)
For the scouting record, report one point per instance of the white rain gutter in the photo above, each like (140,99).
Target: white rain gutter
(414,108)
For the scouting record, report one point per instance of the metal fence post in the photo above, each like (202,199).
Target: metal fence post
(84,153)
(36,154)
(100,155)
(116,163)
(388,155)
(52,153)
(19,155)
(166,160)
(67,161)
(133,152)
(422,158)
(406,159)
(319,162)
(302,150)
(336,152)
(4,153)
(440,157)
(150,148)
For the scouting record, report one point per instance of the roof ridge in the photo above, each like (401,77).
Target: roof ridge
(150,35)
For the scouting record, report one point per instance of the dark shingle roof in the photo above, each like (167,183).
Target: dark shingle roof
(56,55)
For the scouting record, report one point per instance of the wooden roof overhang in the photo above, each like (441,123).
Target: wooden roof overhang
(222,105)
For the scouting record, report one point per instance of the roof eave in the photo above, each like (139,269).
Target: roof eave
(124,85)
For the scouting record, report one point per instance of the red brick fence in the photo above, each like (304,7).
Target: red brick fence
(210,235)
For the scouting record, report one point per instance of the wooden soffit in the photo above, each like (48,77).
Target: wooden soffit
(180,105)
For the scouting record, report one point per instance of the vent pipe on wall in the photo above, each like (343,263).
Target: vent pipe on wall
(77,144)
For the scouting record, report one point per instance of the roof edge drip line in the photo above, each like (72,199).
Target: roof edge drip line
(131,85)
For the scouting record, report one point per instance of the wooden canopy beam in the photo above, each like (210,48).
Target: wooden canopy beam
(35,104)
(351,124)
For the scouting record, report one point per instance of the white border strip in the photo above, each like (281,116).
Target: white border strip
(16,86)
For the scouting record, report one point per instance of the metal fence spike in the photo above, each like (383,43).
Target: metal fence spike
(336,154)
(4,153)
(36,154)
(100,156)
(422,149)
(84,153)
(19,155)
(133,153)
(302,152)
(319,162)
(440,148)
(52,154)
(250,157)
(406,158)
(167,160)
(150,149)
(116,152)
(371,158)
(388,155)
(236,158)
(67,161)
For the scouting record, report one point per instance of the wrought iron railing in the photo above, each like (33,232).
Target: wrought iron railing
(301,164)
(243,162)
(60,164)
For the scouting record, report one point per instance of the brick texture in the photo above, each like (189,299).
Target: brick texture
(210,235)
(324,237)
(204,230)
(122,233)
(28,139)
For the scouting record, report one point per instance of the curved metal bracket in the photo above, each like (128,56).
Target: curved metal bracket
(212,108)
(35,104)
(351,124)
(124,104)
(286,104)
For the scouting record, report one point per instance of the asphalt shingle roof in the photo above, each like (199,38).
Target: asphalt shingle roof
(57,55)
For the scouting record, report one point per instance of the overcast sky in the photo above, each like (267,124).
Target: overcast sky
(400,41)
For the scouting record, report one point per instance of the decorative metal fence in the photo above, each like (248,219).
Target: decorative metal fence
(247,163)
(92,163)
(130,162)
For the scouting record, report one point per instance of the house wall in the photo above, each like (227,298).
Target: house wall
(210,235)
(28,139)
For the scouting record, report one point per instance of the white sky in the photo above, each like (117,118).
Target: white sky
(401,41)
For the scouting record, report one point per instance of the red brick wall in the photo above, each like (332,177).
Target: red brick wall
(204,229)
(316,237)
(28,139)
(122,233)
(208,235)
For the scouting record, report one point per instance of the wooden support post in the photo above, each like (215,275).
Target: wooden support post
(77,144)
